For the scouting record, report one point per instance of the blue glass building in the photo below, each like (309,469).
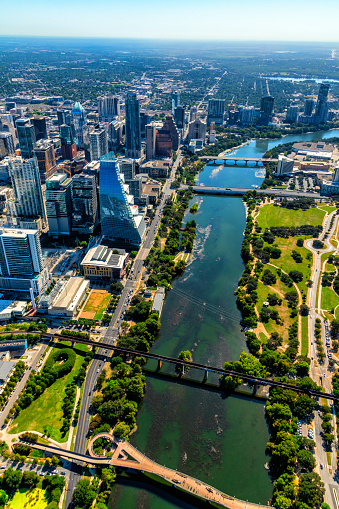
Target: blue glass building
(118,214)
(79,122)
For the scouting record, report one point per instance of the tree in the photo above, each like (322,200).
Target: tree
(268,278)
(184,355)
(3,497)
(304,310)
(116,287)
(306,460)
(83,493)
(30,479)
(11,479)
(296,276)
(55,461)
(317,244)
(311,489)
(122,430)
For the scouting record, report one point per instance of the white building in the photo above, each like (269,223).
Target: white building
(285,165)
(109,108)
(68,297)
(98,142)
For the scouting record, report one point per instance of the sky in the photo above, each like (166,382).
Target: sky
(262,20)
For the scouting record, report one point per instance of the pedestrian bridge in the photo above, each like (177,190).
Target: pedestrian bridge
(125,456)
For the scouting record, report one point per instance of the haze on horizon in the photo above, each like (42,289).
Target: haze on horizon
(263,20)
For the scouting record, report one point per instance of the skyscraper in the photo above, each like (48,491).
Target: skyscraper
(133,129)
(175,100)
(292,114)
(109,108)
(68,144)
(98,142)
(216,110)
(167,138)
(321,108)
(8,142)
(40,128)
(20,253)
(26,184)
(179,116)
(118,214)
(151,132)
(26,136)
(84,203)
(266,109)
(309,103)
(45,155)
(64,117)
(145,119)
(79,122)
(59,204)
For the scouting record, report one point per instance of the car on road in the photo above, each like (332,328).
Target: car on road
(176,481)
(321,466)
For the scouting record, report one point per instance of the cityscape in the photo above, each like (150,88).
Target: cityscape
(169,252)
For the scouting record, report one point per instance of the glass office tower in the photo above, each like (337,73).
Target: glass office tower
(119,216)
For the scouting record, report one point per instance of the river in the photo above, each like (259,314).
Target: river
(224,439)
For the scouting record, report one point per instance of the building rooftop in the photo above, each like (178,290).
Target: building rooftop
(6,367)
(103,256)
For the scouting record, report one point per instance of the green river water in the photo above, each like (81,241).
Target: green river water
(224,439)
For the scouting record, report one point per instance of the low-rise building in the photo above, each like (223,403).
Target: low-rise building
(6,369)
(11,309)
(105,263)
(156,168)
(69,298)
(158,301)
(13,345)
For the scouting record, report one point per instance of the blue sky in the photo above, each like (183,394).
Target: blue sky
(283,20)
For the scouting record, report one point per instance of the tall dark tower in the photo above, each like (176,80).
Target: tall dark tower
(266,109)
(133,128)
(321,108)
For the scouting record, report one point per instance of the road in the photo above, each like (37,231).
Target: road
(317,371)
(21,384)
(113,330)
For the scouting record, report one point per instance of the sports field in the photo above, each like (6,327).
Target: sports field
(96,304)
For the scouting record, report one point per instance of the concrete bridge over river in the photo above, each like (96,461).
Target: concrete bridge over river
(217,160)
(240,191)
(128,457)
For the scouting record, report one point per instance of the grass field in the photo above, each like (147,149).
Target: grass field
(329,299)
(263,338)
(283,310)
(304,335)
(45,413)
(278,216)
(35,499)
(96,305)
(328,208)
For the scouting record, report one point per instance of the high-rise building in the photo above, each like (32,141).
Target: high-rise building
(20,253)
(247,115)
(179,117)
(64,117)
(285,165)
(292,114)
(175,100)
(8,143)
(127,168)
(145,119)
(84,203)
(98,142)
(79,122)
(59,204)
(40,128)
(167,138)
(197,130)
(266,109)
(26,184)
(26,136)
(151,132)
(321,108)
(119,216)
(68,143)
(216,110)
(309,103)
(114,134)
(133,130)
(45,155)
(193,113)
(109,108)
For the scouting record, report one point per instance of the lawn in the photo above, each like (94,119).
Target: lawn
(287,263)
(278,216)
(283,310)
(96,305)
(328,208)
(329,299)
(304,335)
(45,413)
(35,499)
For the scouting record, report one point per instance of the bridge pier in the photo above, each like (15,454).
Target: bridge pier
(205,376)
(159,364)
(182,371)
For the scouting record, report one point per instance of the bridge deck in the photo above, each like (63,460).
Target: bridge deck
(127,456)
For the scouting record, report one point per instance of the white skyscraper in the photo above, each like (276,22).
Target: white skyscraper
(98,142)
(26,183)
(109,108)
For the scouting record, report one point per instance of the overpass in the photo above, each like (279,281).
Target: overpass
(217,160)
(127,352)
(126,456)
(240,191)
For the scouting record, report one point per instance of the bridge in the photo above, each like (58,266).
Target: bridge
(240,191)
(127,352)
(217,160)
(128,457)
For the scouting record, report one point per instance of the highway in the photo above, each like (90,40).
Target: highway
(317,370)
(113,329)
